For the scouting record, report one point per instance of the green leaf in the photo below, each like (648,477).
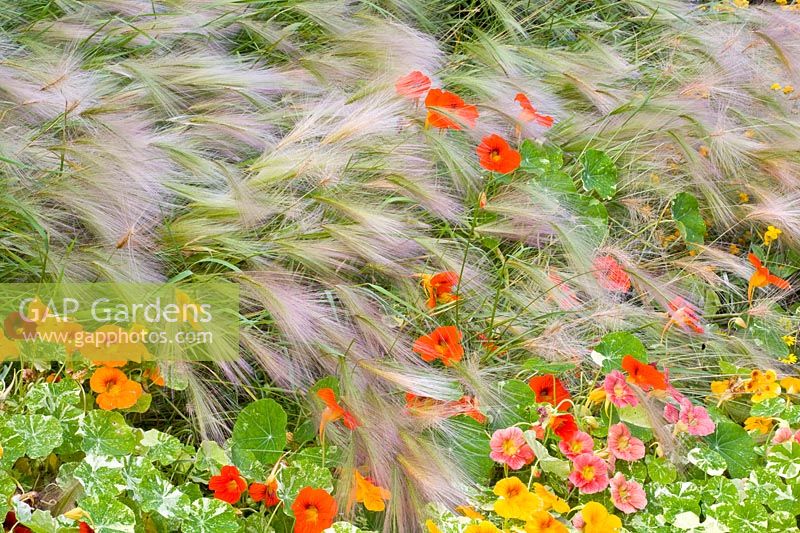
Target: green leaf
(783,460)
(769,408)
(7,489)
(558,467)
(707,460)
(259,434)
(686,213)
(101,476)
(302,473)
(109,515)
(540,159)
(660,470)
(161,447)
(468,441)
(677,498)
(733,443)
(517,398)
(40,433)
(156,494)
(106,433)
(599,174)
(537,364)
(613,347)
(207,515)
(635,415)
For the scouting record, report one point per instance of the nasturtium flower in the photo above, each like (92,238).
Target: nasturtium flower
(550,500)
(762,385)
(727,389)
(744,197)
(228,485)
(154,375)
(694,420)
(617,390)
(18,327)
(470,512)
(771,235)
(529,113)
(265,492)
(594,518)
(448,110)
(494,154)
(763,278)
(790,385)
(627,495)
(549,389)
(484,526)
(334,411)
(439,287)
(610,275)
(623,445)
(758,423)
(510,448)
(8,346)
(589,473)
(785,434)
(544,522)
(684,315)
(598,395)
(371,495)
(515,500)
(443,343)
(431,526)
(564,425)
(578,443)
(83,527)
(644,375)
(114,389)
(314,510)
(413,85)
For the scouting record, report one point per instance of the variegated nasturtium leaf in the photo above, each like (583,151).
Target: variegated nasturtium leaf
(302,473)
(156,494)
(613,347)
(101,476)
(686,214)
(7,489)
(161,447)
(540,159)
(707,460)
(769,408)
(41,434)
(783,460)
(108,515)
(766,488)
(599,174)
(677,498)
(719,489)
(106,433)
(207,515)
(660,470)
(259,435)
(748,517)
(735,445)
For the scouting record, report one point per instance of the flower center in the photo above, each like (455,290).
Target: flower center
(311,514)
(588,473)
(619,390)
(510,447)
(576,446)
(495,155)
(623,443)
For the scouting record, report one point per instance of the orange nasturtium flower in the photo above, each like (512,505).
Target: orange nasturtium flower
(644,375)
(544,522)
(114,389)
(314,510)
(371,495)
(597,519)
(549,389)
(413,85)
(484,526)
(454,111)
(442,343)
(529,112)
(762,277)
(496,155)
(439,287)
(265,492)
(334,411)
(228,485)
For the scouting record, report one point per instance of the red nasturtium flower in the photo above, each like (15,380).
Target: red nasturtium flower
(684,315)
(564,426)
(83,527)
(442,343)
(11,520)
(529,112)
(762,277)
(413,85)
(114,389)
(644,375)
(265,492)
(610,274)
(314,510)
(229,485)
(334,411)
(466,405)
(549,389)
(496,155)
(453,112)
(439,287)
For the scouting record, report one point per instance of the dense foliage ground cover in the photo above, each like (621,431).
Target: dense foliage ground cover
(503,265)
